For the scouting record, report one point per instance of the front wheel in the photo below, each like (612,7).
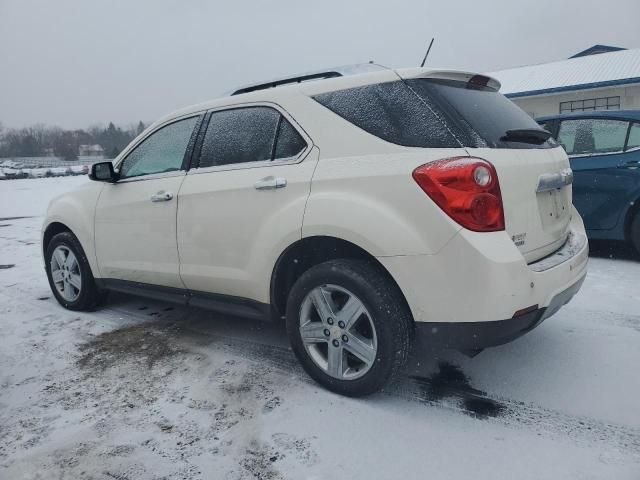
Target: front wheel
(348,326)
(69,273)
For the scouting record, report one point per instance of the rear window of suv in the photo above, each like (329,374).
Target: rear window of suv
(433,113)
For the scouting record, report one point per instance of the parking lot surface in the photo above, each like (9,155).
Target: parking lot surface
(145,390)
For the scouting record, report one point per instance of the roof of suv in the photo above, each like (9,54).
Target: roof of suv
(350,79)
(623,114)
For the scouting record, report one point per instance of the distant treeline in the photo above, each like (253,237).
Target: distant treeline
(41,140)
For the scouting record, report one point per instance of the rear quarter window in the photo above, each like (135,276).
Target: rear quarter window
(392,112)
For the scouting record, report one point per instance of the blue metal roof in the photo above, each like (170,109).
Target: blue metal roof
(611,114)
(593,71)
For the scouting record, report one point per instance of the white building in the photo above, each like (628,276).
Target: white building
(90,151)
(599,78)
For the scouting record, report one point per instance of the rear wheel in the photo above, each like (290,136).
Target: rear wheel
(349,326)
(634,233)
(69,273)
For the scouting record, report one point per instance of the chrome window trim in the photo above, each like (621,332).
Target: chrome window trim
(586,155)
(153,176)
(248,165)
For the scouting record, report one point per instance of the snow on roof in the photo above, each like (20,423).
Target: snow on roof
(605,69)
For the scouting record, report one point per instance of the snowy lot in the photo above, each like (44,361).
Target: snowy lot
(142,389)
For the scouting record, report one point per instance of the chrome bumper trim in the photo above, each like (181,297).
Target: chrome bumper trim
(572,246)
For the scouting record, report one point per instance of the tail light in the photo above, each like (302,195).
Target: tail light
(467,189)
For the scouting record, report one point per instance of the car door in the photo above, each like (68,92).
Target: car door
(245,202)
(135,219)
(601,185)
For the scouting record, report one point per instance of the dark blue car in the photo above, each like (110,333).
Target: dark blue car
(604,151)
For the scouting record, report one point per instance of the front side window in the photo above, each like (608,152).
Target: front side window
(249,134)
(592,136)
(162,151)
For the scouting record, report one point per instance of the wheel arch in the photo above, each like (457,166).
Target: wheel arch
(51,231)
(57,226)
(307,252)
(632,211)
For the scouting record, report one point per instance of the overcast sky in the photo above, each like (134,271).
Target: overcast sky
(75,63)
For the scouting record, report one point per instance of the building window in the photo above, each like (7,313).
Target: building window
(590,105)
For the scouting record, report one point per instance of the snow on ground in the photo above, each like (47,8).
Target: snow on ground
(30,197)
(146,390)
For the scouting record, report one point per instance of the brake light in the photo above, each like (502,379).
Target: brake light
(467,189)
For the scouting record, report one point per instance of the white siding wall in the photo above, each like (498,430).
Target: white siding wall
(542,105)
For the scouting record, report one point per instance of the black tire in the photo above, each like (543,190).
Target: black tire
(90,295)
(388,311)
(634,232)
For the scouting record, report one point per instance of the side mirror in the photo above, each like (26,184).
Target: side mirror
(103,172)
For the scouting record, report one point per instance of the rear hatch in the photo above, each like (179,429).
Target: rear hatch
(533,171)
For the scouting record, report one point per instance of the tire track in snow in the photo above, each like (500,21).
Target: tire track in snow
(453,396)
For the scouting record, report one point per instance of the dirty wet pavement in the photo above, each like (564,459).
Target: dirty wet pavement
(145,390)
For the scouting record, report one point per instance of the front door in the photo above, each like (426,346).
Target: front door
(245,203)
(135,220)
(601,185)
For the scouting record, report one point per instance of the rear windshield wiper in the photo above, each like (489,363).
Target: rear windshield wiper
(526,135)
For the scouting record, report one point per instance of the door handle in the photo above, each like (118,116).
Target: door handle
(630,164)
(270,183)
(161,196)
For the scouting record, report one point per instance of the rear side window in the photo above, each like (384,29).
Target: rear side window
(482,110)
(392,112)
(289,142)
(592,135)
(251,134)
(238,136)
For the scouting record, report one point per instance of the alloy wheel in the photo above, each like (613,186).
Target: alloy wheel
(65,273)
(338,332)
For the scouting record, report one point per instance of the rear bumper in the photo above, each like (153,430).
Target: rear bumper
(478,335)
(475,286)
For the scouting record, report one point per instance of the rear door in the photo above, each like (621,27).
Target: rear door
(244,203)
(602,178)
(135,219)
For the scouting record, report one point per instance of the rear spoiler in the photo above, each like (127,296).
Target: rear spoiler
(470,78)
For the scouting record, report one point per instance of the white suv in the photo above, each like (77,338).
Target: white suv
(373,211)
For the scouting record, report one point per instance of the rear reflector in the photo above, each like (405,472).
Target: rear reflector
(466,189)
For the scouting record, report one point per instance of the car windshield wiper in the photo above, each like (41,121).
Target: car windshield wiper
(526,135)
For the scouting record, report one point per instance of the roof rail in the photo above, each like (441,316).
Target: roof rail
(285,81)
(321,75)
